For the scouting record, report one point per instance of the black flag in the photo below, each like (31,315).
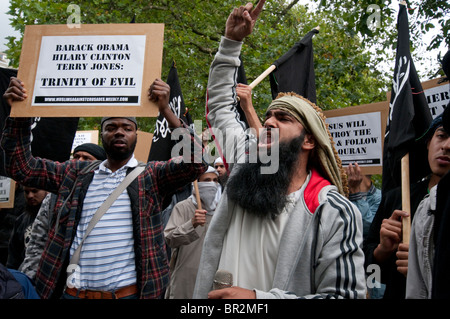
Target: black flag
(52,138)
(409,115)
(295,70)
(162,143)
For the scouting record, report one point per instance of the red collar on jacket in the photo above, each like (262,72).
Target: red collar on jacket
(311,194)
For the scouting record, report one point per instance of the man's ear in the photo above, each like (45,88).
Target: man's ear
(309,142)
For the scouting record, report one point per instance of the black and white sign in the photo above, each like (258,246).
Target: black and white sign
(87,70)
(358,138)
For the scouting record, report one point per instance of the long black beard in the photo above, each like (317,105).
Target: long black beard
(265,195)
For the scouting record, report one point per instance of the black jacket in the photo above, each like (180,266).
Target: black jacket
(392,200)
(441,265)
(10,288)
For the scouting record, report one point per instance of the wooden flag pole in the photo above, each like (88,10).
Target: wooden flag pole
(269,70)
(406,201)
(197,195)
(262,76)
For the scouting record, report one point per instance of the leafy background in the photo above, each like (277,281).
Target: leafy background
(348,53)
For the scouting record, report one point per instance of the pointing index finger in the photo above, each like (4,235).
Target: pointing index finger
(257,10)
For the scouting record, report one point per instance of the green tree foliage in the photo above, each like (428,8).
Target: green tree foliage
(438,10)
(346,71)
(428,19)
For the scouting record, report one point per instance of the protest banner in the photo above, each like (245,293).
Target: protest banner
(7,191)
(358,134)
(91,71)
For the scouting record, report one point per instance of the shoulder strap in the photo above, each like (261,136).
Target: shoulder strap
(140,163)
(104,207)
(91,166)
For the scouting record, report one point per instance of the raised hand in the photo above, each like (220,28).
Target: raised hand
(159,93)
(241,21)
(16,91)
(355,178)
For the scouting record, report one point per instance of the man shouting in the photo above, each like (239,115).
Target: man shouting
(284,233)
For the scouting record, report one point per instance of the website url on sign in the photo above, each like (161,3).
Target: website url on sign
(85,99)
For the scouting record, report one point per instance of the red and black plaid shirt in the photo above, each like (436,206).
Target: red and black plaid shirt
(147,192)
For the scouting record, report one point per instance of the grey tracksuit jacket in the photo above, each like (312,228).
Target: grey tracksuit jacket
(320,253)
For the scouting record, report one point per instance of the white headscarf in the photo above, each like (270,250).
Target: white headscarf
(305,113)
(210,193)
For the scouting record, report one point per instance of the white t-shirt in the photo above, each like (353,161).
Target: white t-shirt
(251,244)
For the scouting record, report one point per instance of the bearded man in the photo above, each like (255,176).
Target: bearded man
(291,233)
(124,256)
(21,233)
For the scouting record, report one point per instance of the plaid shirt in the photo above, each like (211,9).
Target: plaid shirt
(147,192)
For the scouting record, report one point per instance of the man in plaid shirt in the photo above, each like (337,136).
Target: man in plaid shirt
(144,196)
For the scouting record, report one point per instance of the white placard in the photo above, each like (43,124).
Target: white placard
(82,137)
(437,98)
(358,138)
(87,70)
(5,187)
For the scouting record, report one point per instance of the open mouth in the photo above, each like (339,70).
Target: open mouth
(444,160)
(268,136)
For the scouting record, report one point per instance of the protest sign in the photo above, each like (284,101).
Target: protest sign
(437,93)
(94,70)
(7,191)
(358,134)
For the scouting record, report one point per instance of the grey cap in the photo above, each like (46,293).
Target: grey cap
(132,119)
